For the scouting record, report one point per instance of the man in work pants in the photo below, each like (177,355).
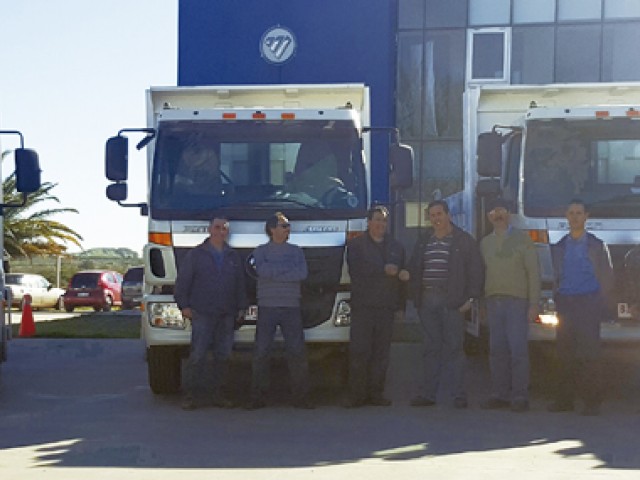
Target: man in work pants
(376,267)
(210,291)
(583,283)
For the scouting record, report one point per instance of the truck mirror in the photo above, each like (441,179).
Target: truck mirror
(489,151)
(117,192)
(27,171)
(400,166)
(117,159)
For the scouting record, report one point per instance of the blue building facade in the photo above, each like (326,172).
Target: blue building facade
(336,41)
(417,56)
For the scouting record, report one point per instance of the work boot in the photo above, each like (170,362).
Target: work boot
(188,403)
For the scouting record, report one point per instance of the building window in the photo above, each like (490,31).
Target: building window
(538,11)
(410,13)
(443,83)
(488,60)
(621,9)
(450,13)
(578,54)
(579,10)
(532,55)
(409,81)
(489,12)
(617,42)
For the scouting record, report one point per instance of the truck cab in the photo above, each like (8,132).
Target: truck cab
(540,147)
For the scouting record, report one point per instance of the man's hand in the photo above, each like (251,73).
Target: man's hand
(466,306)
(391,269)
(239,320)
(404,275)
(187,313)
(532,314)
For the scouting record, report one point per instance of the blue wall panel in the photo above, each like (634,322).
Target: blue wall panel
(338,41)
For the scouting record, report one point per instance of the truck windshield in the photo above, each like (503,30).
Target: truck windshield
(597,161)
(245,167)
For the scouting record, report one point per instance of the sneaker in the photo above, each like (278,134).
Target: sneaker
(188,403)
(520,406)
(351,402)
(494,403)
(560,407)
(255,404)
(421,401)
(379,401)
(591,410)
(460,403)
(222,402)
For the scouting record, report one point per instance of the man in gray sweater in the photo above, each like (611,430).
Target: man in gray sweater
(280,267)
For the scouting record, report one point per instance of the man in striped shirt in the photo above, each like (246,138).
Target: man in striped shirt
(447,275)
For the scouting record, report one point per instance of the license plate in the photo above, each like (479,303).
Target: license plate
(624,311)
(251,314)
(84,294)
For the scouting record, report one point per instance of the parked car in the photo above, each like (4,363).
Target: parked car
(100,289)
(132,288)
(43,293)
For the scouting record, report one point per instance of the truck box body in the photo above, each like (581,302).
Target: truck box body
(560,142)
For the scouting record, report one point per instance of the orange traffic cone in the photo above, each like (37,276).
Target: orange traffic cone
(27,325)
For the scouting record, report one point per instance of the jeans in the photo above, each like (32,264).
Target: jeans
(509,347)
(578,347)
(290,322)
(443,330)
(209,330)
(370,344)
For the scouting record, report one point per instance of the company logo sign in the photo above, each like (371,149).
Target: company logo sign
(278,45)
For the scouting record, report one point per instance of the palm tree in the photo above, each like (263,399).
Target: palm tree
(29,233)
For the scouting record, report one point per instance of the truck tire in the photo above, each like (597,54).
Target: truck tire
(164,366)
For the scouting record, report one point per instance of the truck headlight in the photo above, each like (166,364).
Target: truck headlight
(343,314)
(548,318)
(166,315)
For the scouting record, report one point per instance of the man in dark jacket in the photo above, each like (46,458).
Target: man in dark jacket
(447,276)
(376,267)
(210,291)
(583,283)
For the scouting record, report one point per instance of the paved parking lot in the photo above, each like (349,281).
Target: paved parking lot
(82,408)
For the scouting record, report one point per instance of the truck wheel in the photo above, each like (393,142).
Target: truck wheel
(164,365)
(68,308)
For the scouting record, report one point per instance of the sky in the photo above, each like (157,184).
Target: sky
(73,73)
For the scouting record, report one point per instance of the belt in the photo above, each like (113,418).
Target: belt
(431,288)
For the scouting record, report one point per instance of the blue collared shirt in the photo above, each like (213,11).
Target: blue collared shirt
(578,274)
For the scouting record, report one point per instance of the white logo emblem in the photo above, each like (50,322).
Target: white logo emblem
(278,44)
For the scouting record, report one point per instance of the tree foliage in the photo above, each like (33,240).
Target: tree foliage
(28,231)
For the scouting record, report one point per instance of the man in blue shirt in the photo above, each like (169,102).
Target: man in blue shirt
(583,280)
(210,292)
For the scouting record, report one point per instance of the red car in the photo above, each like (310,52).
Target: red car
(100,289)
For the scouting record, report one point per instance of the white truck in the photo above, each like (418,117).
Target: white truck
(540,146)
(246,152)
(27,180)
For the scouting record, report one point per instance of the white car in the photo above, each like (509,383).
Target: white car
(43,293)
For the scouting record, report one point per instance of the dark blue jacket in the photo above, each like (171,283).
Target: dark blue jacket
(370,286)
(205,287)
(466,268)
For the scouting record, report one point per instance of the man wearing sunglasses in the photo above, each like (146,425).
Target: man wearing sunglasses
(281,267)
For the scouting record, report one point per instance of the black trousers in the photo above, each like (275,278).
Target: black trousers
(578,348)
(371,332)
